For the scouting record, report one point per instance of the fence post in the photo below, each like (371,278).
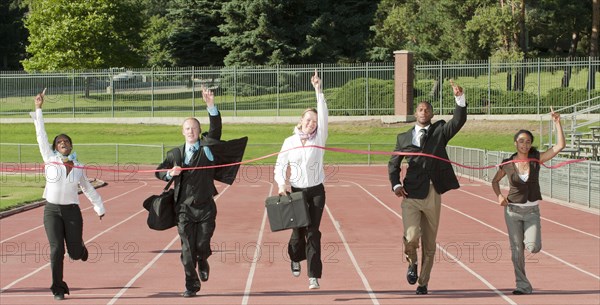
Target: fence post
(403,85)
(234,90)
(489,86)
(193,94)
(73,89)
(539,95)
(367,88)
(277,85)
(152,91)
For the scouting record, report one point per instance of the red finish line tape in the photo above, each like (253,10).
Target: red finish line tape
(340,150)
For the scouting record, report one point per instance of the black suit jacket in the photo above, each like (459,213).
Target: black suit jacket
(200,183)
(423,169)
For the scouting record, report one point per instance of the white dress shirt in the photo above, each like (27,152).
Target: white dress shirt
(60,188)
(306,164)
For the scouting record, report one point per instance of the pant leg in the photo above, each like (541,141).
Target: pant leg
(316,204)
(430,221)
(55,231)
(411,219)
(297,245)
(305,243)
(73,222)
(206,230)
(515,225)
(187,230)
(532,230)
(196,233)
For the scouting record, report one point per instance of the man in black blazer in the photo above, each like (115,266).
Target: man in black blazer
(425,180)
(191,167)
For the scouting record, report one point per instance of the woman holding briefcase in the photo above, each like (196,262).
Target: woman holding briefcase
(307,175)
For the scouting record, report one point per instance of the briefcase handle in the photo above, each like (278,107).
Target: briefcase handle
(168,185)
(288,195)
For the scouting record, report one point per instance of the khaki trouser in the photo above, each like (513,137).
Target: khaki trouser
(421,218)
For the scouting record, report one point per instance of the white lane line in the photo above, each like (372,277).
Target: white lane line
(89,240)
(141,272)
(471,271)
(543,251)
(256,256)
(84,209)
(544,218)
(353,259)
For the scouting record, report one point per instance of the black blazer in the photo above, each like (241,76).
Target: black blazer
(200,183)
(423,169)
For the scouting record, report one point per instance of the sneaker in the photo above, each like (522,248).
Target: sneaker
(59,296)
(313,283)
(295,269)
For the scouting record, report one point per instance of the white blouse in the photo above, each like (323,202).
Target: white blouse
(60,188)
(306,164)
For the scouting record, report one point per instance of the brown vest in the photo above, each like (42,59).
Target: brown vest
(522,191)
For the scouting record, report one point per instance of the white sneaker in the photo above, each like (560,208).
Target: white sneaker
(295,269)
(313,283)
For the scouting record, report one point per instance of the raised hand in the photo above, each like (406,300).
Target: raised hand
(555,115)
(39,99)
(316,82)
(458,90)
(208,96)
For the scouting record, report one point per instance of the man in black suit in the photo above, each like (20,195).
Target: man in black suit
(191,167)
(421,203)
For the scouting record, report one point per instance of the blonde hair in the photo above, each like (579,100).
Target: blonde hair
(307,110)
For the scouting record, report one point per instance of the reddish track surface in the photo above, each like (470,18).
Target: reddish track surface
(362,250)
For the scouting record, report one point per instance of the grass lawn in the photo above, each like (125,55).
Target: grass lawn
(18,189)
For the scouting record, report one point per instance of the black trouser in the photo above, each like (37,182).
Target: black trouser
(63,224)
(305,243)
(195,237)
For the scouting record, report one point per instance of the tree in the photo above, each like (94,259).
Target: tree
(195,24)
(156,45)
(295,31)
(13,35)
(83,34)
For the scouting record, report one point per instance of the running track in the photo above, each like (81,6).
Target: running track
(362,250)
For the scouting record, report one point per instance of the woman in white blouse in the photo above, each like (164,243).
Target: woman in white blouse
(306,175)
(62,216)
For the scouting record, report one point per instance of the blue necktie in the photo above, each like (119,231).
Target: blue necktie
(191,151)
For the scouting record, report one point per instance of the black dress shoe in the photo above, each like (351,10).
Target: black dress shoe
(411,274)
(59,296)
(189,294)
(203,270)
(422,289)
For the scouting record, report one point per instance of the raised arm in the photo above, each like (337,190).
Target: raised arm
(322,109)
(560,139)
(40,129)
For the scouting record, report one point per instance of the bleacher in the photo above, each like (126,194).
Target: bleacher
(580,144)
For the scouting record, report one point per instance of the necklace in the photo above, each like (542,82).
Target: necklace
(523,167)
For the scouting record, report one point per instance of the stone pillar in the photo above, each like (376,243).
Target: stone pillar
(403,86)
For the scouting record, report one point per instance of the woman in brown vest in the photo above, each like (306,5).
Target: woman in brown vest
(521,208)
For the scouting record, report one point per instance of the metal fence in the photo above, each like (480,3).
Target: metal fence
(527,87)
(577,183)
